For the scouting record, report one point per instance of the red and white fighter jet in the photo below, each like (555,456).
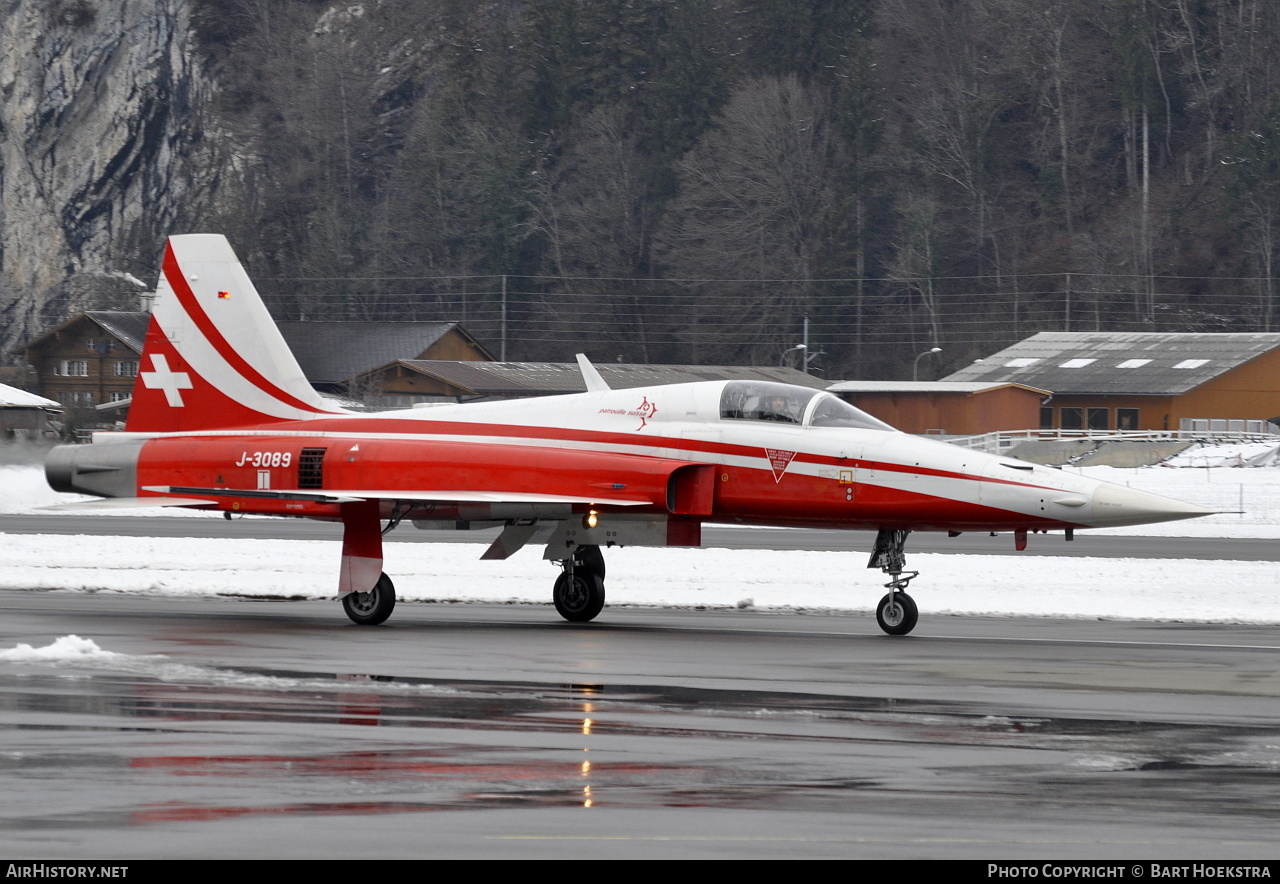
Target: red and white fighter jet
(223,419)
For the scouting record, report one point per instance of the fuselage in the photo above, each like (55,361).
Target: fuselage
(707,451)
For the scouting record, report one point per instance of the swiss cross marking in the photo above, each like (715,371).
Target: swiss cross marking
(171,382)
(779,461)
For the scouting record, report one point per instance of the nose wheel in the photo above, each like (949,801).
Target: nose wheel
(897,613)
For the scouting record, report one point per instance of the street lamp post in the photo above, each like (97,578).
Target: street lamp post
(915,366)
(806,355)
(782,360)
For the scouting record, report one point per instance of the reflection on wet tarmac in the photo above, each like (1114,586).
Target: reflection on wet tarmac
(189,746)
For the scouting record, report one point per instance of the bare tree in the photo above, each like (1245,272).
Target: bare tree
(915,267)
(755,203)
(595,212)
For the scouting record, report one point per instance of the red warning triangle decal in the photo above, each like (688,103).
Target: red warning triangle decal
(779,460)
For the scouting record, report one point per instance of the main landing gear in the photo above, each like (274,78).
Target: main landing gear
(897,612)
(372,607)
(579,590)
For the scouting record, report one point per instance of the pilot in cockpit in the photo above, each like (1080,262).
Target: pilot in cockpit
(778,407)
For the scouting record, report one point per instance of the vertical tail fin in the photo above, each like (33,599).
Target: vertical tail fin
(213,357)
(590,375)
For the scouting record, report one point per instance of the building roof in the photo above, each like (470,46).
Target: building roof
(541,378)
(12,397)
(128,326)
(332,352)
(1136,363)
(953,387)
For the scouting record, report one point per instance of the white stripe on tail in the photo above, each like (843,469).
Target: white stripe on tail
(213,357)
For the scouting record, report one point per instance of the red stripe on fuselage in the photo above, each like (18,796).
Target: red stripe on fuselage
(377,424)
(356,427)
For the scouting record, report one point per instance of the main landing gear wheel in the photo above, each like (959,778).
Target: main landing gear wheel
(590,558)
(372,607)
(897,613)
(579,595)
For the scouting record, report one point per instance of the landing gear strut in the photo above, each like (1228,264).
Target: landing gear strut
(579,590)
(897,612)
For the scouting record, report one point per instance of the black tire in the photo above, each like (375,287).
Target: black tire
(899,619)
(372,607)
(592,559)
(583,600)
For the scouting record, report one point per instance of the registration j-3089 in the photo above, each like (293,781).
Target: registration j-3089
(265,459)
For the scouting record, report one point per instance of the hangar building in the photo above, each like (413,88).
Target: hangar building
(1143,380)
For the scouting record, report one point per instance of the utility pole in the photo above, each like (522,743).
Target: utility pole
(1068,307)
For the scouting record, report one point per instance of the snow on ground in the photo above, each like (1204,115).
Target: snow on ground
(1235,454)
(1171,590)
(67,648)
(1179,590)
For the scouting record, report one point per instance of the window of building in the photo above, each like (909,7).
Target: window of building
(1046,418)
(126,369)
(1071,418)
(1191,363)
(1099,418)
(1127,419)
(1077,363)
(1133,363)
(73,368)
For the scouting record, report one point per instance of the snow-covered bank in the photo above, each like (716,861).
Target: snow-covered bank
(1247,500)
(1191,590)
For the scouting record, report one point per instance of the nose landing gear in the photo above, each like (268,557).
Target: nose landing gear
(897,613)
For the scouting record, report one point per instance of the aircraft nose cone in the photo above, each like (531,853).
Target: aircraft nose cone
(1116,505)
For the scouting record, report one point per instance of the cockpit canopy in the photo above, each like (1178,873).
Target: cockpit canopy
(783,403)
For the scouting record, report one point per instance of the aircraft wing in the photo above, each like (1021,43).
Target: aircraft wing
(122,503)
(348,496)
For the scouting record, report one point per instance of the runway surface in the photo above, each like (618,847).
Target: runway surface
(277,729)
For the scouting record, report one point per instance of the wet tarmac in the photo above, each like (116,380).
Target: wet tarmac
(207,728)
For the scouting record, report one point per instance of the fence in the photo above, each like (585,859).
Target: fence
(1000,442)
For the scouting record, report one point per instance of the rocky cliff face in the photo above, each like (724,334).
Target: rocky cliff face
(101,150)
